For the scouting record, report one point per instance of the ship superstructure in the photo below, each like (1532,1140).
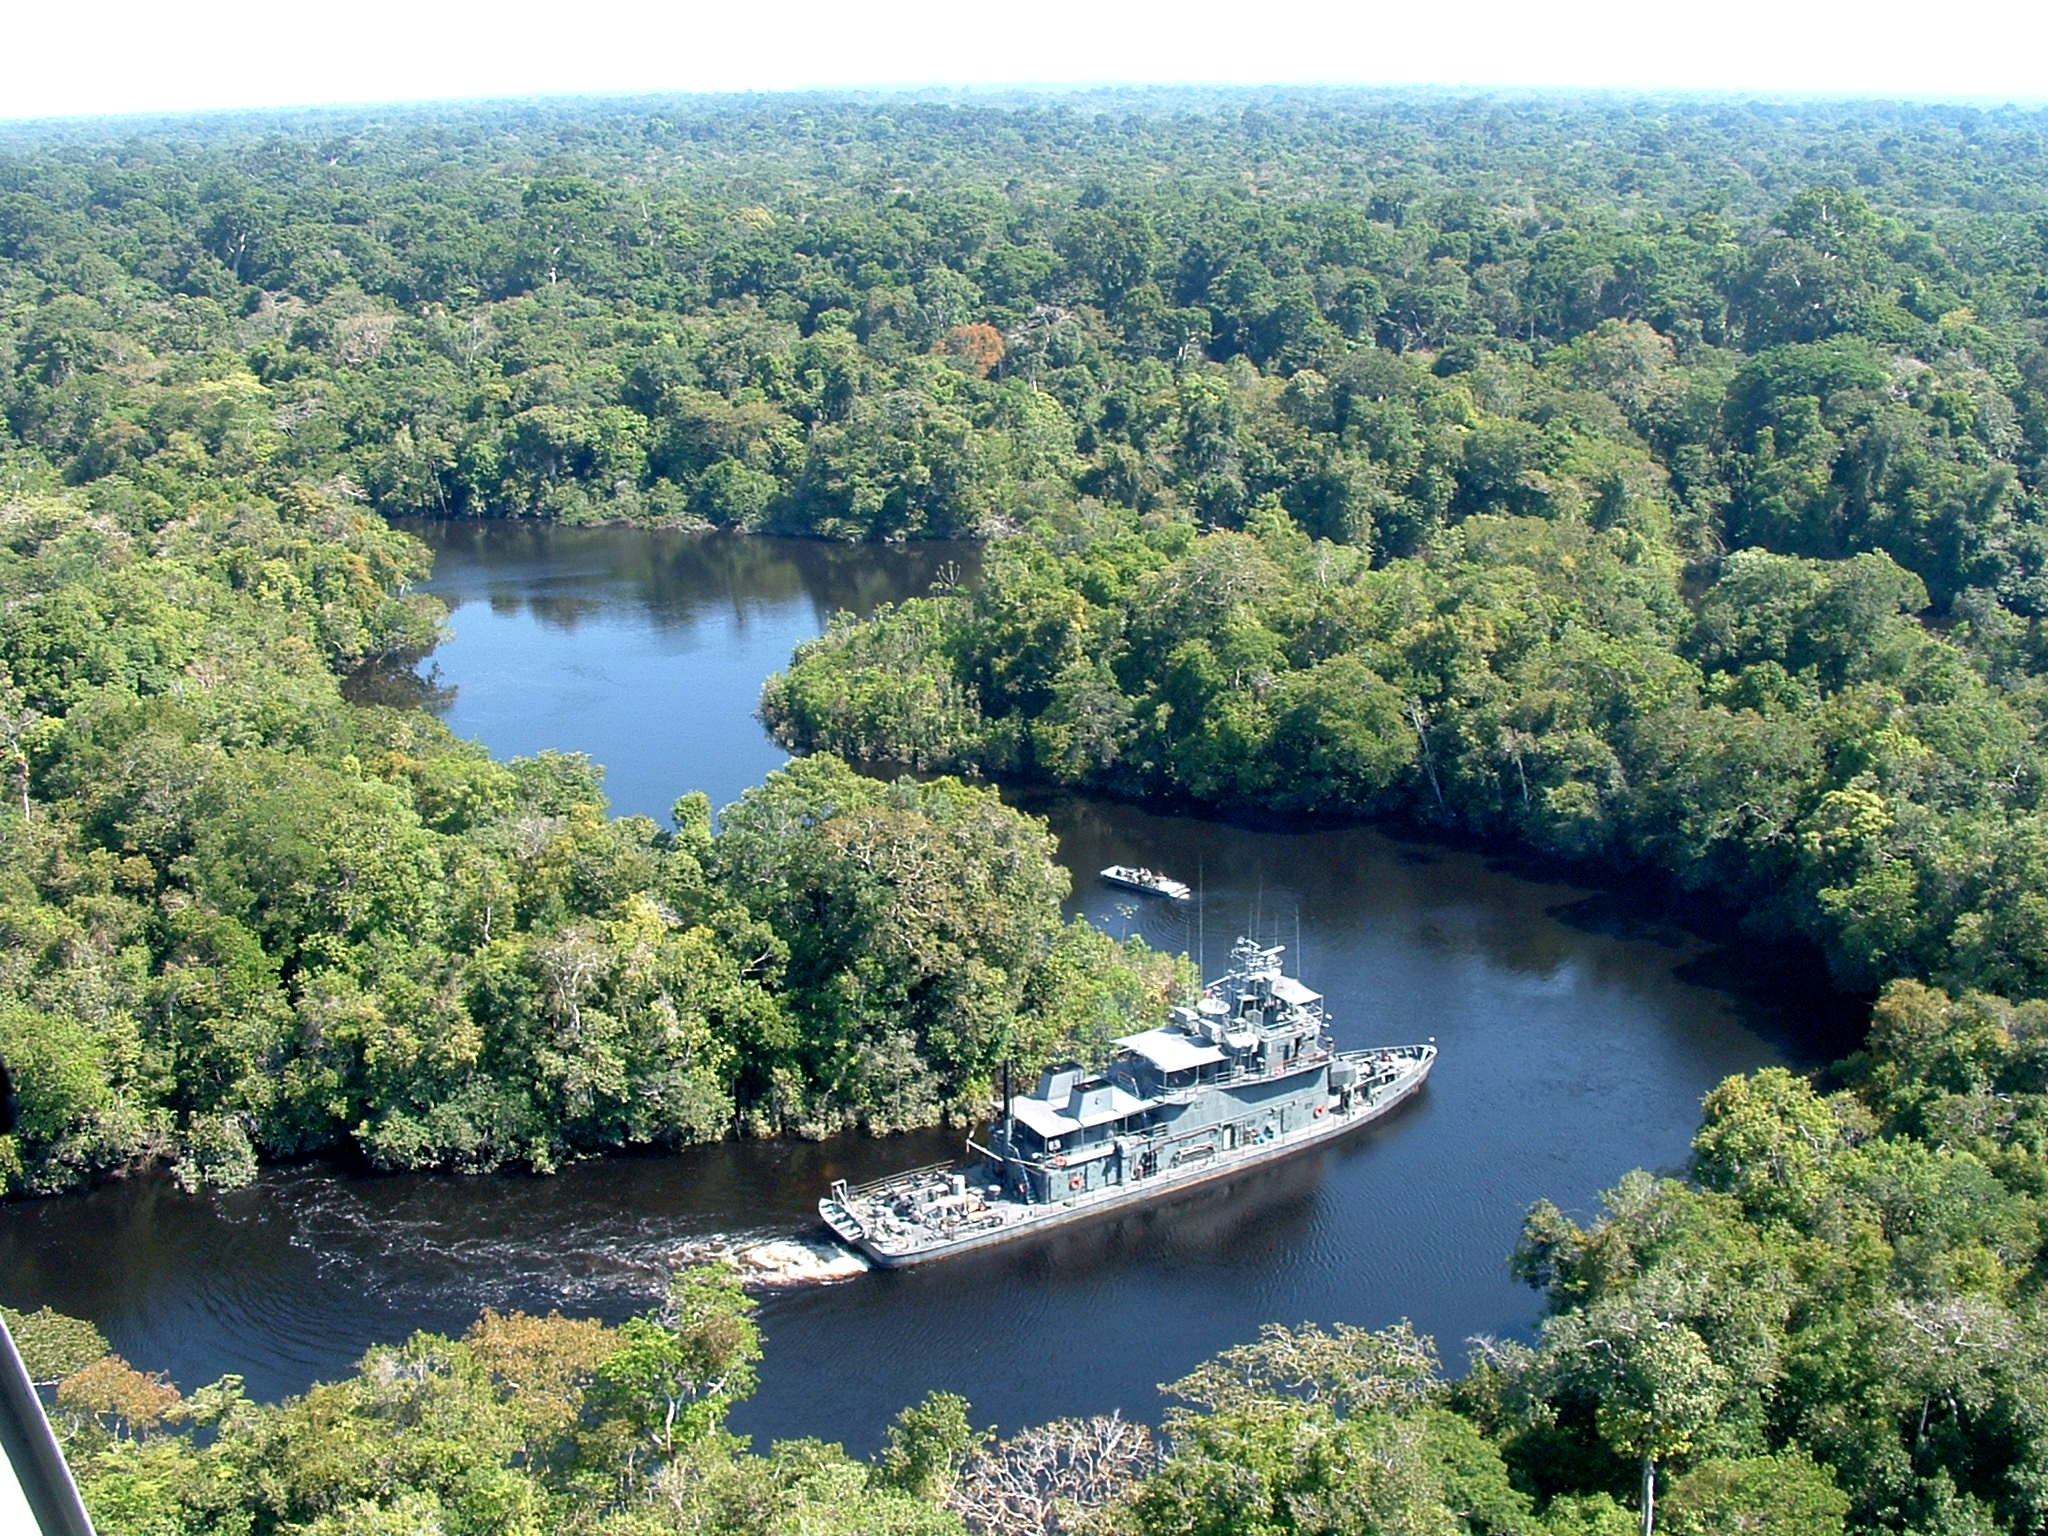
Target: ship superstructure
(1245,1073)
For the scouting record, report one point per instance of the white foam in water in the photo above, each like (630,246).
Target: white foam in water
(797,1261)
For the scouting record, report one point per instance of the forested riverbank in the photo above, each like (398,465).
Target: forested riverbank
(250,919)
(1657,482)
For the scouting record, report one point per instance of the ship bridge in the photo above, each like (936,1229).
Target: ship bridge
(1291,992)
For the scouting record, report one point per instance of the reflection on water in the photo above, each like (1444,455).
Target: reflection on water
(567,578)
(646,650)
(1578,1030)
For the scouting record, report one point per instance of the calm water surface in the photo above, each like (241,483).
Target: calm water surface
(645,650)
(1579,1029)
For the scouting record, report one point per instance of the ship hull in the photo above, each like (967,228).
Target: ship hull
(1032,1220)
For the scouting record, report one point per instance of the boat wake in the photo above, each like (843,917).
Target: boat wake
(779,1262)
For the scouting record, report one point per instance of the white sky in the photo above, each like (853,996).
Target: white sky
(131,56)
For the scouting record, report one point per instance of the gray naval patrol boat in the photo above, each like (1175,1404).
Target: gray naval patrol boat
(1245,1074)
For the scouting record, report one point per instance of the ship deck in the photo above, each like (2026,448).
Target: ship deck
(920,1214)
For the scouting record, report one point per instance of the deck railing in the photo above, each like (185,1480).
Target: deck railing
(899,1179)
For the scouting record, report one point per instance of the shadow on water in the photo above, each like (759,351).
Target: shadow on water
(399,685)
(1780,987)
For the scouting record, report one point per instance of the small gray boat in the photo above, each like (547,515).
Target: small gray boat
(1245,1074)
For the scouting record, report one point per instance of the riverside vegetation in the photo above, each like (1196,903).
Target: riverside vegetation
(1649,482)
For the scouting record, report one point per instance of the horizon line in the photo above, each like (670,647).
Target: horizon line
(1049,89)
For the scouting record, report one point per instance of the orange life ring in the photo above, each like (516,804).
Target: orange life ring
(1060,1161)
(1074,1182)
(1319,1110)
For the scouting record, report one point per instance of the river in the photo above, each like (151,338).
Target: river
(1579,1025)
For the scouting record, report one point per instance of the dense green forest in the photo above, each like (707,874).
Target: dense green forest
(1656,483)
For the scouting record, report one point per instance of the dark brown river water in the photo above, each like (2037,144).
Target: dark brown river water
(1579,1026)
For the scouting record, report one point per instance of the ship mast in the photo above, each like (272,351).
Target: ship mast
(1009,1122)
